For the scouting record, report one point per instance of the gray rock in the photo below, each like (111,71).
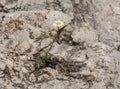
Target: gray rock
(17,67)
(77,85)
(21,36)
(2,65)
(35,33)
(109,38)
(63,84)
(46,42)
(102,61)
(55,84)
(32,78)
(2,74)
(98,86)
(34,86)
(10,86)
(16,80)
(24,46)
(60,50)
(84,34)
(78,56)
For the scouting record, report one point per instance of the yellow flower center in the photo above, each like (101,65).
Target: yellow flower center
(58,22)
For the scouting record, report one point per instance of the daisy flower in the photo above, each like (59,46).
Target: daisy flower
(58,24)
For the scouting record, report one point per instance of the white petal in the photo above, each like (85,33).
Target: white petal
(54,25)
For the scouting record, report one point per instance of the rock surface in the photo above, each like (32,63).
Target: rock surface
(83,54)
(84,34)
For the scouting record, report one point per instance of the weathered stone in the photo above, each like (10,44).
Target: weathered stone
(35,33)
(16,80)
(17,67)
(55,84)
(21,36)
(32,78)
(34,86)
(109,38)
(60,50)
(2,65)
(98,86)
(26,26)
(24,46)
(2,74)
(46,42)
(84,34)
(78,56)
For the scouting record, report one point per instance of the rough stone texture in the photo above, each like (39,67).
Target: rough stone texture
(84,34)
(84,55)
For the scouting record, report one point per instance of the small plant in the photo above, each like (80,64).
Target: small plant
(45,56)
